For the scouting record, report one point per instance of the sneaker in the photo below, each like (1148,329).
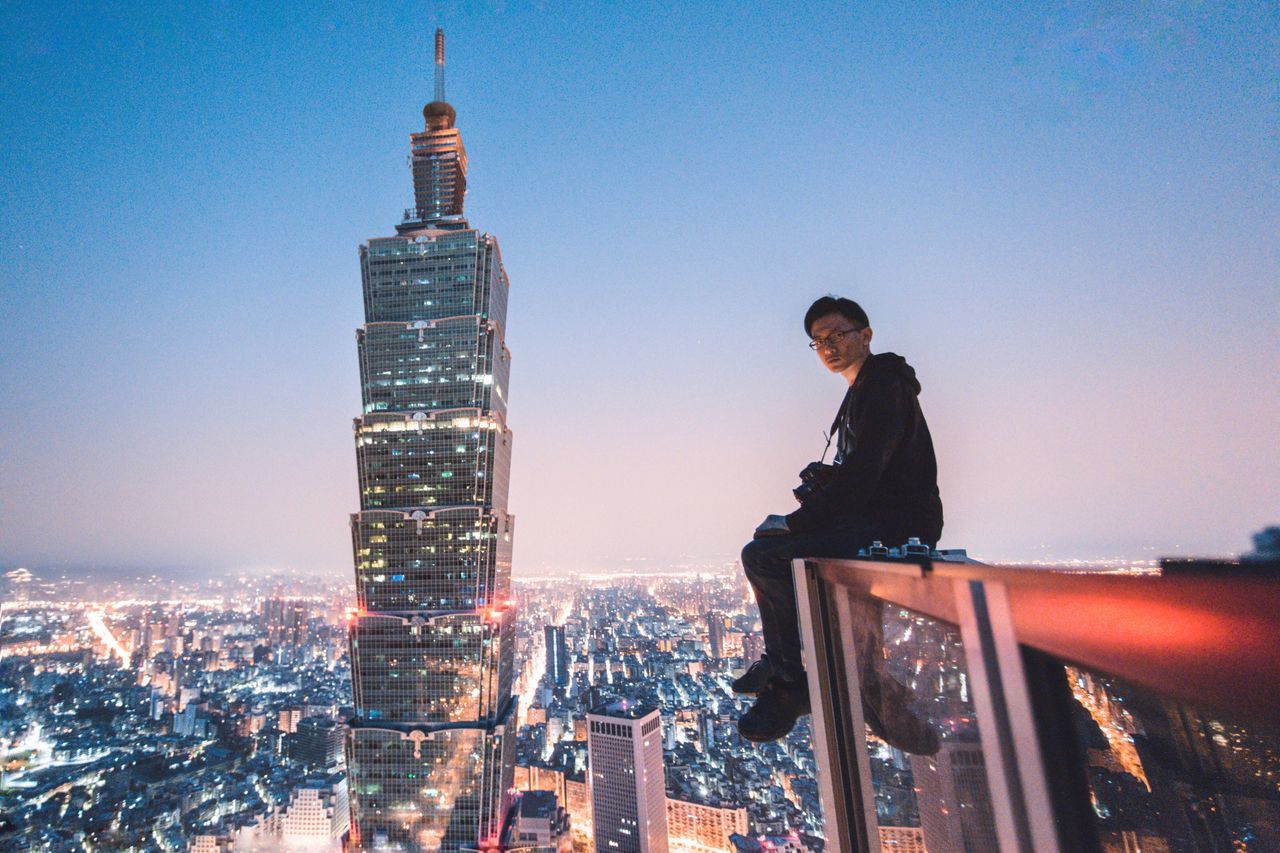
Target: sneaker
(755,679)
(776,710)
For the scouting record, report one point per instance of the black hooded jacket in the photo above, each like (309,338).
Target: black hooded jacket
(885,472)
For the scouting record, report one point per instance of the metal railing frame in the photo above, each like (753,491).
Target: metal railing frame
(1019,626)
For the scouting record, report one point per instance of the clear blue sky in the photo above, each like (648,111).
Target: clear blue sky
(1065,215)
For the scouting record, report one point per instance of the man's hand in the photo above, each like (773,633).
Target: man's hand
(773,525)
(817,469)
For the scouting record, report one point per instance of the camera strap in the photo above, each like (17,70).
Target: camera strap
(837,423)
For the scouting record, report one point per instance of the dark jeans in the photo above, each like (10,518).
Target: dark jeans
(767,563)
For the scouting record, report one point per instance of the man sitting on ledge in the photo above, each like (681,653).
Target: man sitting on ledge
(882,485)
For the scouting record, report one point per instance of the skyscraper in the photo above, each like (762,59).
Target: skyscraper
(317,742)
(627,780)
(955,802)
(431,746)
(715,634)
(557,656)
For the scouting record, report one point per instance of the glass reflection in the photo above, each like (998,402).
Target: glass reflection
(1167,777)
(925,752)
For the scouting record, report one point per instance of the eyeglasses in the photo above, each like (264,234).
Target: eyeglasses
(832,340)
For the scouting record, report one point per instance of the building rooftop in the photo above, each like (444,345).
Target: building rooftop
(318,722)
(623,709)
(538,804)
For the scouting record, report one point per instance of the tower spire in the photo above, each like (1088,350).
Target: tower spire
(439,64)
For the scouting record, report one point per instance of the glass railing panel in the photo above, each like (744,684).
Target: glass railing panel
(923,745)
(1164,776)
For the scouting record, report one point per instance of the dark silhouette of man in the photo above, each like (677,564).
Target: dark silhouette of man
(882,485)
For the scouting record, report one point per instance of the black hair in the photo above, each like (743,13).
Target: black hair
(846,308)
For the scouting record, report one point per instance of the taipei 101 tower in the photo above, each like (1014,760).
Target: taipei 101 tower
(430,749)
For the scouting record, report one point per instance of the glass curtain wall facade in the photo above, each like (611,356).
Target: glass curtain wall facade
(431,746)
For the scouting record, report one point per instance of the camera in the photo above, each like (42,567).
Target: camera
(814,480)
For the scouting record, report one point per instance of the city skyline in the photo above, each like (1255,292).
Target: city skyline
(245,681)
(1064,218)
(248,680)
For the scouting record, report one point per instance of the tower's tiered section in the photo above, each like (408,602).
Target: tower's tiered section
(431,747)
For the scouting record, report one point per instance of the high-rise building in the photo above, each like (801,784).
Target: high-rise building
(715,634)
(557,656)
(286,621)
(541,825)
(902,839)
(317,742)
(626,777)
(316,816)
(955,803)
(288,717)
(704,827)
(431,746)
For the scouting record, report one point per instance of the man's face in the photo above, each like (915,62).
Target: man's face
(840,342)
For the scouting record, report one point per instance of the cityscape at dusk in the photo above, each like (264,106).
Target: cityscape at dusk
(524,618)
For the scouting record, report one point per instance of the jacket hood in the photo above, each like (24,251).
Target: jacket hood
(890,363)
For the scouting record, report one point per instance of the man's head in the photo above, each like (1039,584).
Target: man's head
(840,333)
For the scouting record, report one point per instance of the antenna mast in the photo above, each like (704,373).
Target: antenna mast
(439,64)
